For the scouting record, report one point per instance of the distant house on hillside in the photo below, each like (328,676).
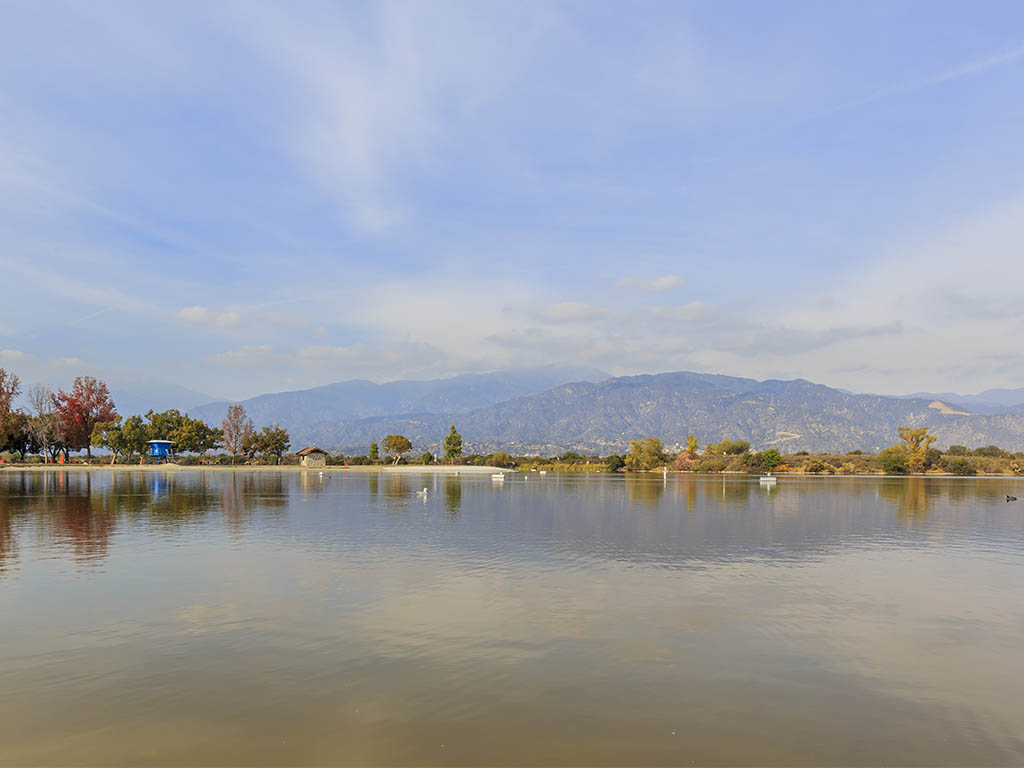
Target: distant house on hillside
(312,457)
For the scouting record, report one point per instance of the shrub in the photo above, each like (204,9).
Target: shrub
(959,466)
(802,453)
(683,462)
(956,450)
(816,467)
(990,451)
(894,461)
(426,458)
(614,463)
(857,452)
(932,458)
(770,459)
(710,464)
(502,459)
(733,447)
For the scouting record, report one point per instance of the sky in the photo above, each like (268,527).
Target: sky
(246,197)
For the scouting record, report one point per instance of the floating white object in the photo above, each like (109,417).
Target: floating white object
(768,480)
(543,471)
(498,476)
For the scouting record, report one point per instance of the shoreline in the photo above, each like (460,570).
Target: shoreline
(440,469)
(458,469)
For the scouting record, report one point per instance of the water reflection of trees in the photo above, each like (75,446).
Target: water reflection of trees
(8,539)
(452,495)
(82,511)
(730,491)
(243,494)
(644,490)
(912,496)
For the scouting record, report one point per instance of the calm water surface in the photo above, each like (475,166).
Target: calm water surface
(263,618)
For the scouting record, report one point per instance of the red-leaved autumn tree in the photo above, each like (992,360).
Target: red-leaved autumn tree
(79,411)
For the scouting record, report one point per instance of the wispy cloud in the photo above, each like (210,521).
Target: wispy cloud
(206,316)
(652,284)
(976,67)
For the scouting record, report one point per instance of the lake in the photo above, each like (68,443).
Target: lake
(266,618)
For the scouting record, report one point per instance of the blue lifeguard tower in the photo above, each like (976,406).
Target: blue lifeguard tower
(159,450)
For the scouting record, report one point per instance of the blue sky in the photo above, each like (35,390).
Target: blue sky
(247,197)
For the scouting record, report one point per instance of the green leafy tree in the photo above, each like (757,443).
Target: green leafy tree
(272,441)
(374,452)
(614,463)
(107,434)
(250,446)
(500,459)
(396,446)
(894,460)
(162,424)
(195,436)
(18,435)
(770,459)
(453,445)
(957,450)
(10,388)
(692,446)
(188,435)
(426,458)
(133,437)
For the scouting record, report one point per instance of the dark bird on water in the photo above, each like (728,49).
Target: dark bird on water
(1011,498)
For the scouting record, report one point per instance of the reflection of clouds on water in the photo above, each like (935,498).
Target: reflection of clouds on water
(700,603)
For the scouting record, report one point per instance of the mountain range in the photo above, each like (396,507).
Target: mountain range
(553,409)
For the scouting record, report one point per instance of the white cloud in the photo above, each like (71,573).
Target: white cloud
(653,284)
(12,356)
(205,316)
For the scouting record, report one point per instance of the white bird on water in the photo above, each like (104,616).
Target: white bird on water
(422,493)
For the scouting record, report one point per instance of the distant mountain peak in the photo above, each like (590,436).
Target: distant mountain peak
(946,410)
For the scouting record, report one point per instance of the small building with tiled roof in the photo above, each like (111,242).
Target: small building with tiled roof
(312,457)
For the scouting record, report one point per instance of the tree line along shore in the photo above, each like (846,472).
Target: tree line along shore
(58,427)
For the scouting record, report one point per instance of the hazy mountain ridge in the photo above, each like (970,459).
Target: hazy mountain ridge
(603,417)
(990,401)
(537,411)
(305,411)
